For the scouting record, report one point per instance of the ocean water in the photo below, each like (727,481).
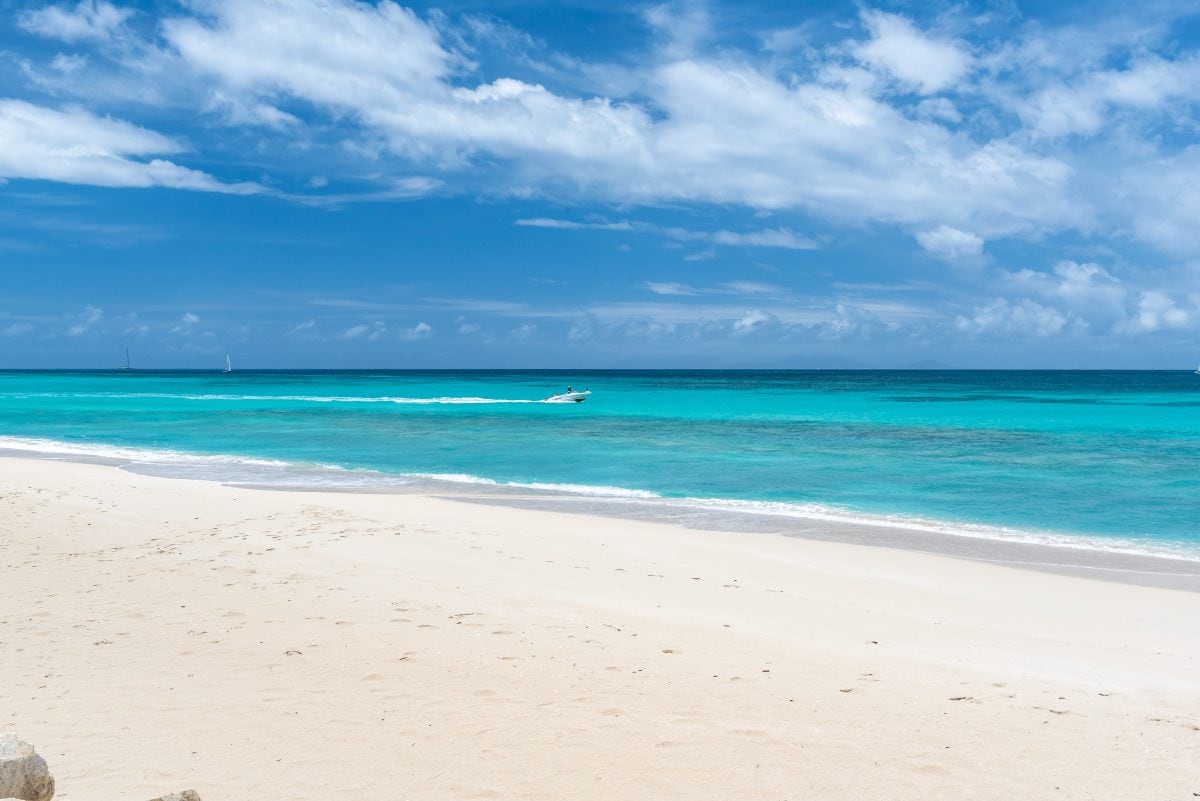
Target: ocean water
(1094,460)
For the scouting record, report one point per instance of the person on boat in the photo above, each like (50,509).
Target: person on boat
(569,390)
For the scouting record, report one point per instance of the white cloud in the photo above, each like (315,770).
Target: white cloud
(524,332)
(939,108)
(1024,318)
(765,238)
(354,332)
(695,124)
(418,331)
(751,288)
(546,222)
(238,111)
(1160,199)
(86,320)
(1087,289)
(950,243)
(897,47)
(1088,293)
(303,329)
(748,320)
(1157,311)
(1082,104)
(776,238)
(722,130)
(344,54)
(75,146)
(669,288)
(17,329)
(89,19)
(851,322)
(68,64)
(187,325)
(710,326)
(684,25)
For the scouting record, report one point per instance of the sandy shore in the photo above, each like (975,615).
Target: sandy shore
(159,634)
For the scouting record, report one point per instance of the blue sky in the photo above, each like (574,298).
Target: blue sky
(332,183)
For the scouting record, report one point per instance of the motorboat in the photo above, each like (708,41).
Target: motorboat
(569,397)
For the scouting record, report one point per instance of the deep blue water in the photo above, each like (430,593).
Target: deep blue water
(1110,455)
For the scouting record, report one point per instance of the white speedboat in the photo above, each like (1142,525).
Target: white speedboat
(569,397)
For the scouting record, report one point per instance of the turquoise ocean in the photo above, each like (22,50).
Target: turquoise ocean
(1108,461)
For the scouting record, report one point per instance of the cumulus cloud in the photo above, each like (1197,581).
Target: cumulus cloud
(710,129)
(1024,318)
(1094,297)
(1157,311)
(372,333)
(186,325)
(418,331)
(524,332)
(893,123)
(88,19)
(1082,104)
(748,320)
(75,146)
(924,62)
(950,243)
(85,321)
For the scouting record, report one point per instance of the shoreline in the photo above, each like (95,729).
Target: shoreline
(1086,556)
(167,633)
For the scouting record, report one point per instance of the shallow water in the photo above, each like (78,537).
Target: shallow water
(1107,460)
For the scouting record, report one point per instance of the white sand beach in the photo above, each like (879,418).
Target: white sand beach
(158,634)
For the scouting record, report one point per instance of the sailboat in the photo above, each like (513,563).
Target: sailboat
(1198,371)
(126,367)
(228,365)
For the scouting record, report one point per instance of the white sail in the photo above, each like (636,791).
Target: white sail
(228,364)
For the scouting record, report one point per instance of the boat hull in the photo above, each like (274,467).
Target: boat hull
(569,397)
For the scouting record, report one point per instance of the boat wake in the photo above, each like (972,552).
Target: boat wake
(283,398)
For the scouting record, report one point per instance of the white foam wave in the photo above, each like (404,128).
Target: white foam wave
(252,470)
(222,468)
(118,452)
(833,514)
(841,516)
(573,489)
